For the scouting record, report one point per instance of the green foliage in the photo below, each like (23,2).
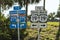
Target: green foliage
(48,33)
(58,12)
(6,33)
(51,16)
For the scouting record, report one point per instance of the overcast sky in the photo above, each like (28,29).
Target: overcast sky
(51,6)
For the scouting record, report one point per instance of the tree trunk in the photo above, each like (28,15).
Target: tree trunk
(58,33)
(26,8)
(0,9)
(44,4)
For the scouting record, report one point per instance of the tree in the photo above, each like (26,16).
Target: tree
(44,4)
(4,3)
(3,28)
(32,1)
(58,12)
(58,15)
(26,2)
(5,25)
(51,16)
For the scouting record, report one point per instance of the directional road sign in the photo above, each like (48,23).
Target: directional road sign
(34,25)
(33,12)
(18,11)
(22,19)
(22,25)
(42,25)
(13,18)
(17,8)
(43,18)
(38,16)
(15,14)
(39,8)
(13,26)
(34,18)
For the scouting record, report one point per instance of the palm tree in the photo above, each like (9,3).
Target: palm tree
(3,21)
(10,3)
(32,1)
(4,3)
(26,2)
(51,16)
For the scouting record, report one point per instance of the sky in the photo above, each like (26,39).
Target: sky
(51,6)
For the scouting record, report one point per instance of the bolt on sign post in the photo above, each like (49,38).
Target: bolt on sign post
(18,19)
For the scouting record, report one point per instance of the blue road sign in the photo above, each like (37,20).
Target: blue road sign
(21,16)
(17,7)
(13,26)
(19,12)
(22,25)
(22,12)
(13,12)
(22,19)
(13,19)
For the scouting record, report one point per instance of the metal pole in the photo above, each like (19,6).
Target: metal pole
(38,34)
(18,26)
(18,33)
(39,30)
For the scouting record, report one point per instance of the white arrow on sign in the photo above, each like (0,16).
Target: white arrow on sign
(42,25)
(14,25)
(34,25)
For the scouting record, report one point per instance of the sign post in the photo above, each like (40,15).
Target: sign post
(18,19)
(39,19)
(18,26)
(38,32)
